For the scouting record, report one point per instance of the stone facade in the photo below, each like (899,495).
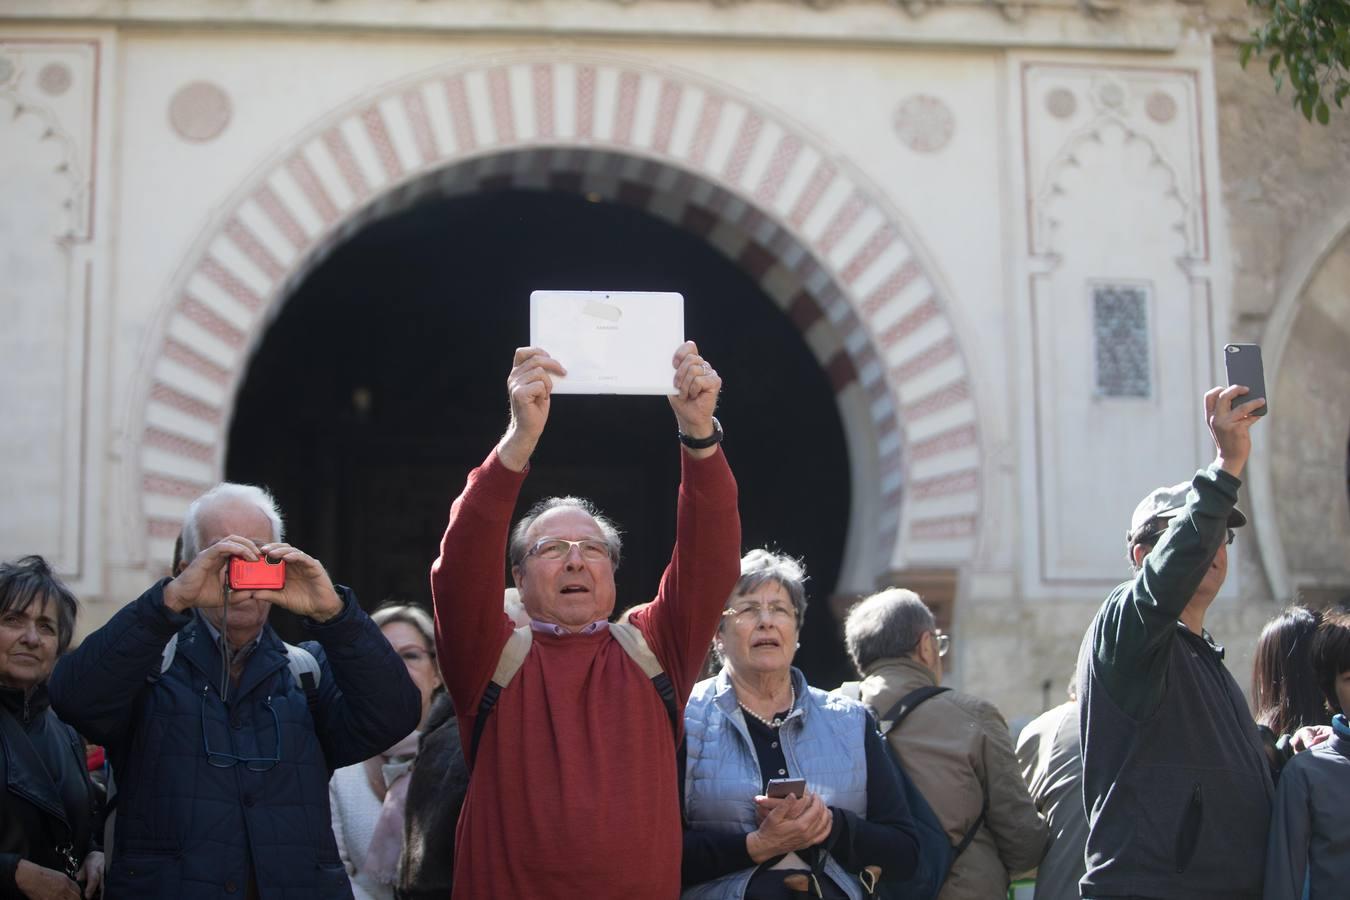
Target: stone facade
(938,195)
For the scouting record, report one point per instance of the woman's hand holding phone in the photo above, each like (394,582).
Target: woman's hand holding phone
(788,824)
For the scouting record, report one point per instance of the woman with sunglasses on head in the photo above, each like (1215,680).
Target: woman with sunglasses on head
(47,802)
(757,721)
(368,799)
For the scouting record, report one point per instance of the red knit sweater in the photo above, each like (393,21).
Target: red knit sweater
(574,789)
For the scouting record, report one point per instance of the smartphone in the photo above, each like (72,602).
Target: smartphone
(1243,364)
(779,788)
(263,575)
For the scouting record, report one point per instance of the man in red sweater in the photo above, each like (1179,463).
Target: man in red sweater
(574,791)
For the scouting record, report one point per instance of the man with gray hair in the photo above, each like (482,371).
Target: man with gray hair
(574,788)
(222,737)
(956,748)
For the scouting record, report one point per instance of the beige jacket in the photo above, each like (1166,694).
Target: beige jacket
(955,747)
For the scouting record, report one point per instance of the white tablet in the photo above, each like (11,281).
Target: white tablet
(610,342)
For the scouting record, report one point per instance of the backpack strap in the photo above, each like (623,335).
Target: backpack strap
(307,674)
(513,656)
(629,638)
(517,647)
(303,665)
(634,643)
(973,830)
(891,721)
(906,705)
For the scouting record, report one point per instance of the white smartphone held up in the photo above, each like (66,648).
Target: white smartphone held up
(610,342)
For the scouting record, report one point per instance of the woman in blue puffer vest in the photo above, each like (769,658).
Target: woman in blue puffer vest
(758,720)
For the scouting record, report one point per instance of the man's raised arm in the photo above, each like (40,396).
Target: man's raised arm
(1135,627)
(467,578)
(705,562)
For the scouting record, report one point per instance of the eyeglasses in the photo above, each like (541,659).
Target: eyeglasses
(943,641)
(1150,538)
(228,760)
(748,612)
(558,548)
(415,656)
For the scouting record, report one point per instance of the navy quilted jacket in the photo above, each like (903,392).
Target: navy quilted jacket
(186,829)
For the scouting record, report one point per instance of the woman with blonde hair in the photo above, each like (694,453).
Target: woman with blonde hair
(367,800)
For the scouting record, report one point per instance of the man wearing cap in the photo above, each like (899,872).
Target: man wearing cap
(1176,785)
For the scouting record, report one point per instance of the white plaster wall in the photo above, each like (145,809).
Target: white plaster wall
(279,84)
(55,171)
(962,204)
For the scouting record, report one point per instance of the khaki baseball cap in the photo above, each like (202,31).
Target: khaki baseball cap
(1165,503)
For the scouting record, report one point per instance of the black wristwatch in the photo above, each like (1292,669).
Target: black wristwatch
(703,443)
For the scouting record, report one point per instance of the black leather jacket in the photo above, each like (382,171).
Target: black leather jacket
(436,788)
(46,820)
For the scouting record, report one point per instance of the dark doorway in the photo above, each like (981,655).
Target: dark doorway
(382,383)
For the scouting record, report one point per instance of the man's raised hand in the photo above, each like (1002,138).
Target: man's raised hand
(1230,425)
(697,386)
(308,590)
(202,583)
(530,387)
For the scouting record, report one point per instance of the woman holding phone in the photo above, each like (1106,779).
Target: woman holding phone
(784,784)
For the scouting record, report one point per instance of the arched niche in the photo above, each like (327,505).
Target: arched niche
(825,243)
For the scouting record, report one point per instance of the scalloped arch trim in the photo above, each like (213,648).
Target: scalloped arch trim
(821,239)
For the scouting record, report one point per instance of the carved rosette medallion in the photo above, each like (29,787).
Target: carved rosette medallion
(1109,94)
(54,79)
(199,111)
(1061,103)
(1160,107)
(925,123)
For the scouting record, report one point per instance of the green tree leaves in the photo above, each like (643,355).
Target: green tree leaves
(1310,41)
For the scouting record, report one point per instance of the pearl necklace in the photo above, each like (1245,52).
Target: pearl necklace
(775,722)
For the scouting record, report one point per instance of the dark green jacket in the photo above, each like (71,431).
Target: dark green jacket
(1175,780)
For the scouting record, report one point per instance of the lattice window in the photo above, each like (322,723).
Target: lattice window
(1120,330)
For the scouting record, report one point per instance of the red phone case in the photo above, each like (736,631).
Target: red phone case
(263,575)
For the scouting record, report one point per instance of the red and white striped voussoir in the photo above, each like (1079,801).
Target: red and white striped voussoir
(765,191)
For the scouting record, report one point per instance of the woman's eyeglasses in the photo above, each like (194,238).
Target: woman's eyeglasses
(415,657)
(747,612)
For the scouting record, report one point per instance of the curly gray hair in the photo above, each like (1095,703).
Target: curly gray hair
(761,566)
